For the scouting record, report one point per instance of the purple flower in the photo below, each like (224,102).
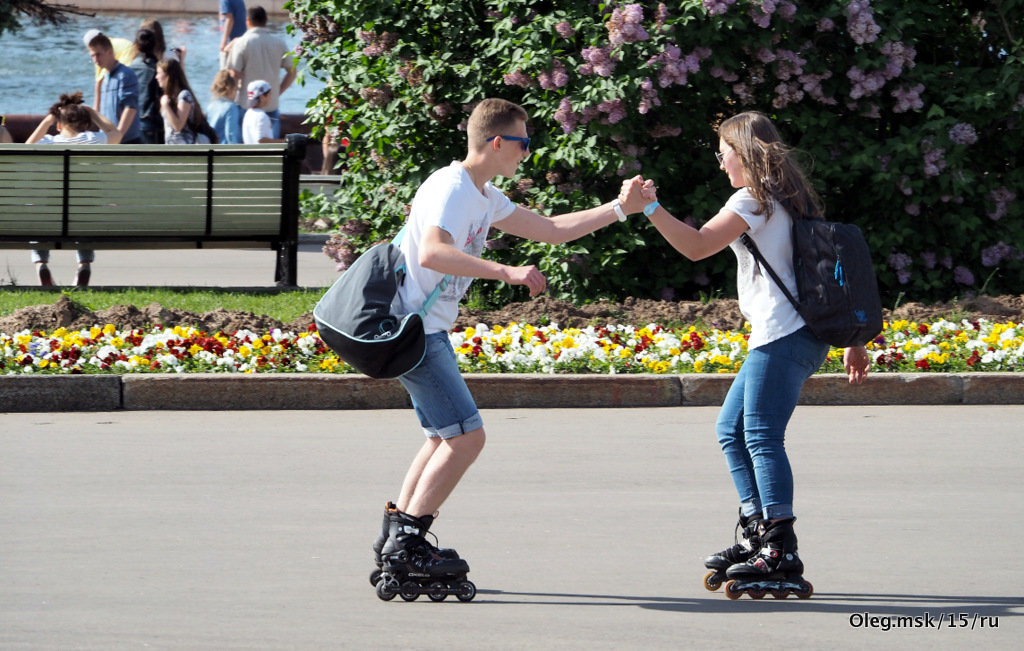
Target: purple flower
(912,209)
(625,25)
(648,96)
(598,61)
(565,30)
(963,134)
(565,116)
(963,276)
(908,98)
(1002,197)
(715,7)
(861,22)
(929,259)
(518,78)
(996,253)
(899,261)
(934,159)
(554,78)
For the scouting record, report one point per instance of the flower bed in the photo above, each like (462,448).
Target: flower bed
(903,346)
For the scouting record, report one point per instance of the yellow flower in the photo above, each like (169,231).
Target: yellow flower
(109,329)
(698,366)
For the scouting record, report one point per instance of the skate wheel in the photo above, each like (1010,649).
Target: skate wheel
(779,594)
(805,591)
(409,591)
(384,591)
(375,577)
(756,593)
(731,591)
(437,591)
(466,591)
(711,581)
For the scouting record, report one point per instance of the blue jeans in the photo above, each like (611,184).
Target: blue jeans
(751,426)
(439,393)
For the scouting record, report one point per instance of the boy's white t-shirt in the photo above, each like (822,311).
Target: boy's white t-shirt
(447,199)
(769,312)
(256,125)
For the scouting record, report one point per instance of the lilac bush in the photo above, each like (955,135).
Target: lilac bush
(908,113)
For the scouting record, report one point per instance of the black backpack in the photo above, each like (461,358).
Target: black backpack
(358,317)
(835,281)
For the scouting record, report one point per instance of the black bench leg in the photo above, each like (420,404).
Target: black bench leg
(286,273)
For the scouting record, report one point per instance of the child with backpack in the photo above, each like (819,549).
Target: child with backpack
(772,192)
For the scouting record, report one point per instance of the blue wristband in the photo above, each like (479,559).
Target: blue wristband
(650,208)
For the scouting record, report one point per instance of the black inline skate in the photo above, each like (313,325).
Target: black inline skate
(378,544)
(775,570)
(748,543)
(412,566)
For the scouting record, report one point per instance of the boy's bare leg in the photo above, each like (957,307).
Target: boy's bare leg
(412,476)
(434,475)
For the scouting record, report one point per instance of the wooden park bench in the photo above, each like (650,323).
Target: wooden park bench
(154,196)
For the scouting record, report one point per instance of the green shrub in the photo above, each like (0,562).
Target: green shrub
(908,112)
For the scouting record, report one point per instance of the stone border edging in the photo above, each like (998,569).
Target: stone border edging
(222,391)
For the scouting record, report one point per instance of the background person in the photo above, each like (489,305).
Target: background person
(222,113)
(184,123)
(260,55)
(771,191)
(144,67)
(118,96)
(256,127)
(232,24)
(73,121)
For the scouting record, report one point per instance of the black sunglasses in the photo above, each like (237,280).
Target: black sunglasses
(523,142)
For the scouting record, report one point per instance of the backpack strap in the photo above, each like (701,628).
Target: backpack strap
(754,251)
(434,295)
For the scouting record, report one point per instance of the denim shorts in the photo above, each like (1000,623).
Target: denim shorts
(439,394)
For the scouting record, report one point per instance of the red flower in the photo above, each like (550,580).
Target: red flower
(922,329)
(922,364)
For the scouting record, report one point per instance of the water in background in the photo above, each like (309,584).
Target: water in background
(43,61)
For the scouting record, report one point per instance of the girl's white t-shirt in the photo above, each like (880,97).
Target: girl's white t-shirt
(762,303)
(449,200)
(83,138)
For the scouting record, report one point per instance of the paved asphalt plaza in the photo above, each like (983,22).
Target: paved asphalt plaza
(583,528)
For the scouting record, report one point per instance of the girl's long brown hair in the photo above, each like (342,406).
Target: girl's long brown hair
(772,172)
(177,82)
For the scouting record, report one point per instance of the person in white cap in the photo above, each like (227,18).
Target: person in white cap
(256,123)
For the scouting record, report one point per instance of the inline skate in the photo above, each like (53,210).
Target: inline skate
(748,543)
(378,545)
(412,566)
(776,569)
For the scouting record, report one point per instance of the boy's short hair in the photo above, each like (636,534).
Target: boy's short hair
(492,117)
(96,39)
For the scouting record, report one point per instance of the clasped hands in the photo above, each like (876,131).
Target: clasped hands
(637,193)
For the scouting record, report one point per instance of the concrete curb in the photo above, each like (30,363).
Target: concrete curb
(221,391)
